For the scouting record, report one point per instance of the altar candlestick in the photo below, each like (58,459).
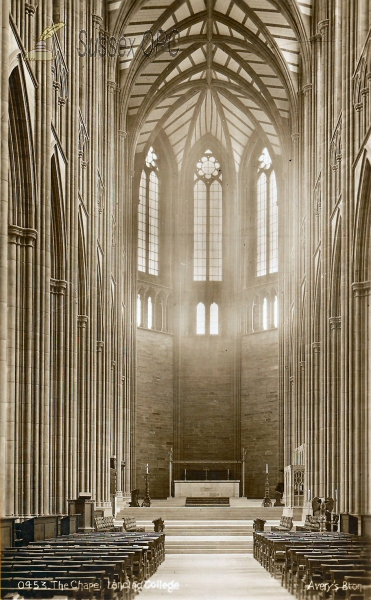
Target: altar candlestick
(147,468)
(266,468)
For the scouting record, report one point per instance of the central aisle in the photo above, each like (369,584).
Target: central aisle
(213,577)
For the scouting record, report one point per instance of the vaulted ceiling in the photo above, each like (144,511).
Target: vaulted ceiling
(237,71)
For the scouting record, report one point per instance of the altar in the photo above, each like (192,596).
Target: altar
(209,489)
(207,478)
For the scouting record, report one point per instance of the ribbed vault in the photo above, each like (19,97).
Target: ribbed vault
(237,72)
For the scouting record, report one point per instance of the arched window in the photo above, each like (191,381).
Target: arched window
(275,312)
(149,313)
(200,328)
(266,217)
(214,319)
(255,314)
(265,313)
(208,218)
(148,217)
(139,310)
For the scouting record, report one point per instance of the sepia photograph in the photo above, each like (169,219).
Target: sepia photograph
(185,282)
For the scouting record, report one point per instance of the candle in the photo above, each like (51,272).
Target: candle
(266,468)
(308,495)
(147,468)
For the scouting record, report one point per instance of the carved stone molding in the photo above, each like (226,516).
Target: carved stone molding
(83,136)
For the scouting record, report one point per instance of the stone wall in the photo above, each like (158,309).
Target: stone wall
(154,410)
(207,398)
(259,410)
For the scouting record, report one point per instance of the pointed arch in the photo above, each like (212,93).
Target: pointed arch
(82,267)
(58,229)
(336,272)
(362,238)
(21,153)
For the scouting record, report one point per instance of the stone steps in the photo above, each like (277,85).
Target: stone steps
(205,530)
(209,545)
(209,513)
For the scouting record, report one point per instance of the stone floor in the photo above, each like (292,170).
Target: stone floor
(213,577)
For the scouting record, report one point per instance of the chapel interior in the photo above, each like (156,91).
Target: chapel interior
(185,259)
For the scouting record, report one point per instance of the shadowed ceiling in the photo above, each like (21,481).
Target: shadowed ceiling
(237,71)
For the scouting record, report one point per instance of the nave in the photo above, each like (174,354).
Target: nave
(185,281)
(214,577)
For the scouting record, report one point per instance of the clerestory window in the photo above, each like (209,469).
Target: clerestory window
(148,217)
(208,219)
(266,217)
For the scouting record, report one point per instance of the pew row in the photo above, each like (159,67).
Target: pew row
(317,566)
(112,565)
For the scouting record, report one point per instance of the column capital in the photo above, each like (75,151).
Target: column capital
(30,9)
(18,235)
(82,321)
(123,134)
(361,288)
(323,26)
(295,138)
(97,21)
(58,286)
(100,346)
(307,89)
(316,346)
(335,322)
(112,86)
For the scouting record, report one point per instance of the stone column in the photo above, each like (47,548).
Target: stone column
(332,474)
(82,412)
(325,116)
(101,426)
(315,418)
(360,449)
(57,396)
(6,473)
(308,245)
(296,252)
(73,169)
(349,12)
